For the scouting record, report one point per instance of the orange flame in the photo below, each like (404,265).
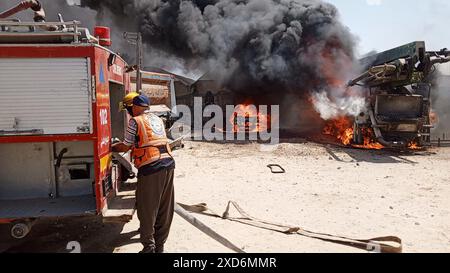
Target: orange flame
(247,118)
(342,129)
(369,143)
(414,146)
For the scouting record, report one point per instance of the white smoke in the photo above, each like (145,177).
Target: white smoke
(440,99)
(338,106)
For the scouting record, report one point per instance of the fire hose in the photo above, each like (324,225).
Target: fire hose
(24,5)
(386,244)
(39,13)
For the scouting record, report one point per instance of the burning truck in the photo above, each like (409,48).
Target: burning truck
(398,84)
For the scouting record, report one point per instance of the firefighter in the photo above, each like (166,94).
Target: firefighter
(151,154)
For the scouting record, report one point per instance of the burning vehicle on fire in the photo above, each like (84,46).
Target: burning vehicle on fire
(398,86)
(247,118)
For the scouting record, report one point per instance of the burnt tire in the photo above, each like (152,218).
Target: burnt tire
(358,137)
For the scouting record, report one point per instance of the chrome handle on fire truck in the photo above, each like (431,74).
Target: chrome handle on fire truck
(38,24)
(21,132)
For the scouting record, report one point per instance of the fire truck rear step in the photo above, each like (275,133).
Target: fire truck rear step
(121,208)
(46,207)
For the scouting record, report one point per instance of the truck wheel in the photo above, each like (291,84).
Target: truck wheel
(20,230)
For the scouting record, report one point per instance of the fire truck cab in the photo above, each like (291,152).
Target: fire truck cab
(60,89)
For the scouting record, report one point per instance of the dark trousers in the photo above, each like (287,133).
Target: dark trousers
(155,207)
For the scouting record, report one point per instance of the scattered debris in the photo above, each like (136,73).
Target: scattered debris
(177,144)
(273,168)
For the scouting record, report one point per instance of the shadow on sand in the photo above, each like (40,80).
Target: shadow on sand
(376,156)
(53,236)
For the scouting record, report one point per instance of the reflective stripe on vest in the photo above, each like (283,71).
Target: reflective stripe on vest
(152,144)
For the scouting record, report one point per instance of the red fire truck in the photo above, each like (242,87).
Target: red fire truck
(60,89)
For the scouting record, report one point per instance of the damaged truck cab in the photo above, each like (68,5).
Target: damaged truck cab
(398,84)
(59,109)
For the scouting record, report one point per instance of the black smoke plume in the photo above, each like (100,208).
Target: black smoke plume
(278,48)
(264,45)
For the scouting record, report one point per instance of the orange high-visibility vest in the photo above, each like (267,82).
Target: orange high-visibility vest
(152,143)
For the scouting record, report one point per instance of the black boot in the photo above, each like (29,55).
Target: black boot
(159,249)
(148,249)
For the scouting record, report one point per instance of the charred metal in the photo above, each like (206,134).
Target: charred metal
(399,90)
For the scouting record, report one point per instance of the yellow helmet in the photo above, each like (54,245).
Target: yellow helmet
(127,101)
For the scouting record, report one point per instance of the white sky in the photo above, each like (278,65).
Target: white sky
(384,24)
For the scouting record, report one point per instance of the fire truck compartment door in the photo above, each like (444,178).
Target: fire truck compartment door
(45,96)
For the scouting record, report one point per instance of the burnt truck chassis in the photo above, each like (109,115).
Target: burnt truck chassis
(398,83)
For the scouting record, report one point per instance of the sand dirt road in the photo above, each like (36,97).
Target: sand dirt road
(328,189)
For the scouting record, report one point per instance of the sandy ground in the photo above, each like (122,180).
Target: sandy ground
(357,193)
